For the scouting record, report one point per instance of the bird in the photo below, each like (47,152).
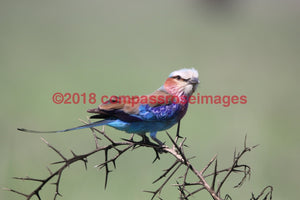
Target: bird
(151,113)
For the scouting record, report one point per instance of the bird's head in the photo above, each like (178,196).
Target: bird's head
(182,82)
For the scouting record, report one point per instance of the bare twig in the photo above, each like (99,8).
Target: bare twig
(265,194)
(186,188)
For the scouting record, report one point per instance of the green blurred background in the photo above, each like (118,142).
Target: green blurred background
(130,47)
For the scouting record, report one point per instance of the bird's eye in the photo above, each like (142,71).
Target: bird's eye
(177,77)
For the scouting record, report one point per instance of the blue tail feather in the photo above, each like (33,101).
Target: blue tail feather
(98,123)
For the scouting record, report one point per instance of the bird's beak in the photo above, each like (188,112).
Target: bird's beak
(194,81)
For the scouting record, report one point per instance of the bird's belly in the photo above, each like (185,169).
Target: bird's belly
(142,126)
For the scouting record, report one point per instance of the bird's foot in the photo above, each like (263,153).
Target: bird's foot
(158,148)
(144,142)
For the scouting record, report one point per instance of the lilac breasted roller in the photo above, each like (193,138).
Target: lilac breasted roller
(149,113)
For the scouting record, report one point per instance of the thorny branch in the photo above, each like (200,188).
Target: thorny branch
(186,189)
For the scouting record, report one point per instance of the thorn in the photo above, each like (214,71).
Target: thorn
(73,153)
(127,140)
(38,195)
(245,142)
(147,191)
(85,163)
(98,138)
(45,141)
(114,163)
(49,170)
(58,162)
(106,179)
(58,194)
(191,158)
(156,156)
(234,154)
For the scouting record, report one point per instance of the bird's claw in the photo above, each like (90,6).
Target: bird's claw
(143,142)
(158,148)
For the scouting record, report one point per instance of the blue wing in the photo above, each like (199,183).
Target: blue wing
(160,113)
(145,113)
